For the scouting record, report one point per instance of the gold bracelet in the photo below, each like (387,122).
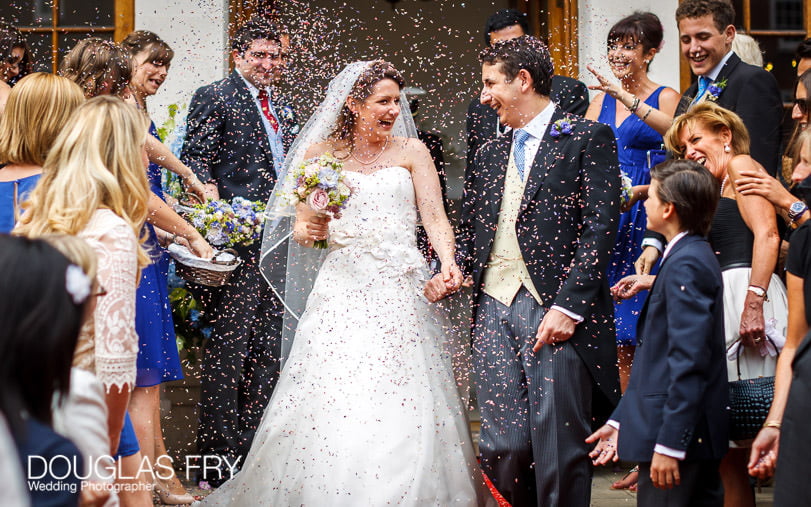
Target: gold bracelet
(772,424)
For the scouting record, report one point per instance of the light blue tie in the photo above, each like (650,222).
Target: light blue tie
(703,83)
(519,139)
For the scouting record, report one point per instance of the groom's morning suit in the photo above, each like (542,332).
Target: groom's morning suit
(531,245)
(230,144)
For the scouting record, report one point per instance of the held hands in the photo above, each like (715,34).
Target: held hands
(631,285)
(664,471)
(606,448)
(555,327)
(444,283)
(763,457)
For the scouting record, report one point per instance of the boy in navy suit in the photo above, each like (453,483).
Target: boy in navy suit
(672,418)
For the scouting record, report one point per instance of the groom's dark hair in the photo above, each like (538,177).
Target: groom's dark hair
(525,52)
(255,28)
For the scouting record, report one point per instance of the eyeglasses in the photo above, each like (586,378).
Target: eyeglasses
(802,105)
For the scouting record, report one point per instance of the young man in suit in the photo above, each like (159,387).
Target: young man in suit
(536,232)
(570,94)
(238,131)
(706,32)
(672,419)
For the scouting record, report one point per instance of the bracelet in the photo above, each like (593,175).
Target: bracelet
(650,108)
(772,424)
(758,291)
(634,105)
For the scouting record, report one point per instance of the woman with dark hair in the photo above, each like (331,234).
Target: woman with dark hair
(158,359)
(43,303)
(15,60)
(369,350)
(638,126)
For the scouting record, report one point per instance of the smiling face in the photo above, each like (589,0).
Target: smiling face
(377,112)
(628,57)
(264,61)
(705,146)
(702,44)
(10,67)
(148,76)
(502,95)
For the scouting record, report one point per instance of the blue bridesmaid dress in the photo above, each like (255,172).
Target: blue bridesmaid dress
(634,139)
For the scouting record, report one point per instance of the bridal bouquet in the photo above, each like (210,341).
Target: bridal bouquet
(320,184)
(225,224)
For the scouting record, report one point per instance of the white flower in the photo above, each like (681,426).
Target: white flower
(77,284)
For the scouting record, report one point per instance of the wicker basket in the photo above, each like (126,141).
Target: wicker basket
(213,273)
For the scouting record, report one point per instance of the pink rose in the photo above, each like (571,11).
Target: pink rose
(318,200)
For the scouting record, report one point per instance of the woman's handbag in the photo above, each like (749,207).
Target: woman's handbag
(749,403)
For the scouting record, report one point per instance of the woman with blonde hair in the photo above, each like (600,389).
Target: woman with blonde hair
(38,107)
(94,186)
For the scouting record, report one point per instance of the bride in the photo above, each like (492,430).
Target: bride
(366,411)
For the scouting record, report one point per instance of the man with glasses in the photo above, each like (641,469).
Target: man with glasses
(238,132)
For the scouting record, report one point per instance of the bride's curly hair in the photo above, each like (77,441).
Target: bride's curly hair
(376,71)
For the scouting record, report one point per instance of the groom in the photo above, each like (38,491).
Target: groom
(537,227)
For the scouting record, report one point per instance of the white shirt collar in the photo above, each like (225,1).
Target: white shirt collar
(672,242)
(538,125)
(713,74)
(251,88)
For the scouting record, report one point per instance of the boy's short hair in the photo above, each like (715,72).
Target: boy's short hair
(692,189)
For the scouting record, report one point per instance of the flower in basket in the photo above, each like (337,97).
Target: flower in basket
(320,184)
(561,126)
(225,224)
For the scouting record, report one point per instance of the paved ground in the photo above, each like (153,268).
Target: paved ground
(603,496)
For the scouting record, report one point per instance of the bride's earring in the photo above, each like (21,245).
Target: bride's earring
(726,148)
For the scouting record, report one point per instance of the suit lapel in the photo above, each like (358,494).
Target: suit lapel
(543,161)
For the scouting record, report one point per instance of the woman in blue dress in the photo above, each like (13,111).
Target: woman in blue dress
(639,111)
(158,359)
(38,107)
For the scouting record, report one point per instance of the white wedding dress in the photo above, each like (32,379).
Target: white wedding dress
(366,411)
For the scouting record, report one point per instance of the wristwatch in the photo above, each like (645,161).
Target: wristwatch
(758,291)
(796,210)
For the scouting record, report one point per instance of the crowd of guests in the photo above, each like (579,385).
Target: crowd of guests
(696,270)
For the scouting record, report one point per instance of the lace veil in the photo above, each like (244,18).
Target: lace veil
(289,268)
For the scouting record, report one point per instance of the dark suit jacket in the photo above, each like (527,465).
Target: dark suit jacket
(570,94)
(678,392)
(566,228)
(226,142)
(753,94)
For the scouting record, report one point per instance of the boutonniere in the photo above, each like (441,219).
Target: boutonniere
(561,126)
(288,116)
(715,89)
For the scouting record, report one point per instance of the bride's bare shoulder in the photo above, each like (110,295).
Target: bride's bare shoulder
(318,149)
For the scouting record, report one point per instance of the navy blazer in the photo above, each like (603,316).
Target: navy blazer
(678,392)
(566,227)
(226,142)
(753,94)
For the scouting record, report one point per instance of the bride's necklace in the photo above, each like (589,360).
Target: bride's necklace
(375,158)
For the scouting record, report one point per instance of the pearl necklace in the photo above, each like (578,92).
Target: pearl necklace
(375,159)
(723,184)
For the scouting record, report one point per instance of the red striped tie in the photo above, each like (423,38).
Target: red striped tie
(264,102)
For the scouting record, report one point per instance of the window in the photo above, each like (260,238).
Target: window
(562,39)
(52,27)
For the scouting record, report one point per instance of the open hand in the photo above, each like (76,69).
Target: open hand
(606,448)
(631,285)
(607,86)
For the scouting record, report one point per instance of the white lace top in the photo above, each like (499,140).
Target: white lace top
(108,346)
